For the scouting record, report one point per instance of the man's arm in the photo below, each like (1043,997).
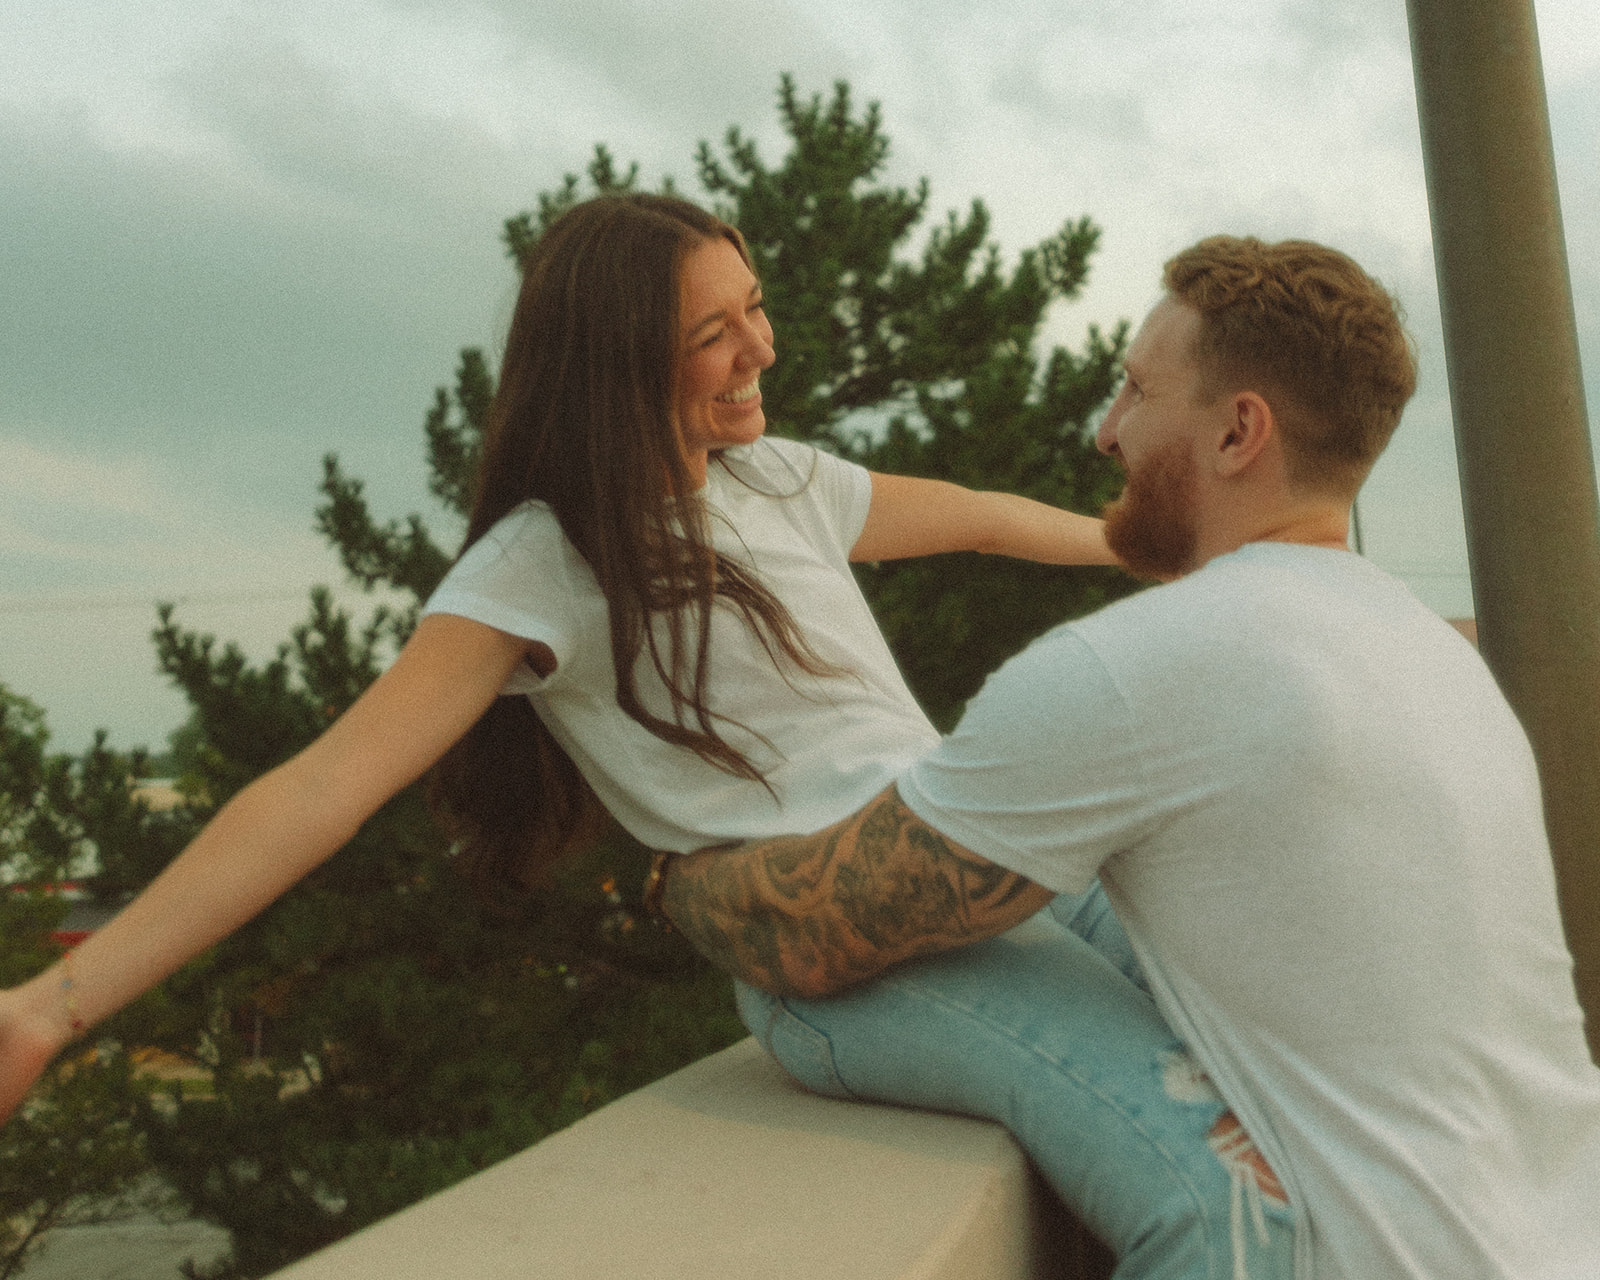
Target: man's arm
(812,915)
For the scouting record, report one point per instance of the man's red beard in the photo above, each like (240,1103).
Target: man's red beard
(1152,527)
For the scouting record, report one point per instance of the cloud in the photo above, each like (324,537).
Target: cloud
(79,521)
(188,306)
(666,75)
(89,544)
(1318,35)
(305,139)
(1569,40)
(1575,124)
(29,473)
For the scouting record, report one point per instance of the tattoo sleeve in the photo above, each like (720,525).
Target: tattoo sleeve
(811,915)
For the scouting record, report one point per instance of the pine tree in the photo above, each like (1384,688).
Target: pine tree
(375,1035)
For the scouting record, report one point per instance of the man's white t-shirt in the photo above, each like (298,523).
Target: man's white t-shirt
(1321,824)
(827,744)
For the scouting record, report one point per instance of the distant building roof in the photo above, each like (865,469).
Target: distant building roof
(159,794)
(82,920)
(83,915)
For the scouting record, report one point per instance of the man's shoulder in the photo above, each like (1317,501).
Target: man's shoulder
(1258,578)
(1253,606)
(1165,610)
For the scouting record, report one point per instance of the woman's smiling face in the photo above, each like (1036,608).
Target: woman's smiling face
(725,341)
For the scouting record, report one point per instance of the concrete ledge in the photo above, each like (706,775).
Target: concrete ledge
(726,1171)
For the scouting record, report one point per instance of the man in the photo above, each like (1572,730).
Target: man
(1313,811)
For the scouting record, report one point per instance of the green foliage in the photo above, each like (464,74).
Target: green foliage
(522,230)
(75,1152)
(60,816)
(406,1042)
(27,918)
(38,839)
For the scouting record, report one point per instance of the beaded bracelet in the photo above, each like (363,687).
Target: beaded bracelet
(69,996)
(655,886)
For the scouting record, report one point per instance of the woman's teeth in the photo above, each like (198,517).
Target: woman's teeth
(741,395)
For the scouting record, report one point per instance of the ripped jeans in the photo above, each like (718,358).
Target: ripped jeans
(1049,1031)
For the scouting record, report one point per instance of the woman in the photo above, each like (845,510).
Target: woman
(672,589)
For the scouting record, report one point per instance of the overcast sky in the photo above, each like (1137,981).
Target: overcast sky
(239,235)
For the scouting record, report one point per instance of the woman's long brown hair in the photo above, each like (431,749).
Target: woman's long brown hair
(584,420)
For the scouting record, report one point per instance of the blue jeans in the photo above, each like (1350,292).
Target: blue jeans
(1039,1030)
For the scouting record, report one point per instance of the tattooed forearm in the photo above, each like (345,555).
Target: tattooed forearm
(810,915)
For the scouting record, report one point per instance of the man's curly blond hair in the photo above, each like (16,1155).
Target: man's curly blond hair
(1311,332)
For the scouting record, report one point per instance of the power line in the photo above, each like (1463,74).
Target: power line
(18,606)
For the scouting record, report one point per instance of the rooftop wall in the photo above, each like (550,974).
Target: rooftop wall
(728,1171)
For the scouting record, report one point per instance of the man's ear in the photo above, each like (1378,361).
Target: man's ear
(1251,427)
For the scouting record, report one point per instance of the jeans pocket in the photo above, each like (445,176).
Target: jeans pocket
(798,1047)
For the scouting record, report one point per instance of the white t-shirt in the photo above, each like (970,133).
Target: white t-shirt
(1321,824)
(830,743)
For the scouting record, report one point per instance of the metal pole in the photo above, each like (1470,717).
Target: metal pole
(1522,437)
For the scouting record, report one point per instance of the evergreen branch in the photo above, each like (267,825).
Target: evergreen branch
(404,557)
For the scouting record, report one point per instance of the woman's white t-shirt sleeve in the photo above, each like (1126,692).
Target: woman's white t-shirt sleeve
(515,579)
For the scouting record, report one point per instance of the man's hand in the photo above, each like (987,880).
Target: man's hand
(812,915)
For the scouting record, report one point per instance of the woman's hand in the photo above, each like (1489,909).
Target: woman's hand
(29,1039)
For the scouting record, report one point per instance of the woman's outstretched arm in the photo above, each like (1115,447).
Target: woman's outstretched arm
(265,839)
(912,516)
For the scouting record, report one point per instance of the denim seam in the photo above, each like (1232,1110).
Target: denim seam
(911,987)
(780,1004)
